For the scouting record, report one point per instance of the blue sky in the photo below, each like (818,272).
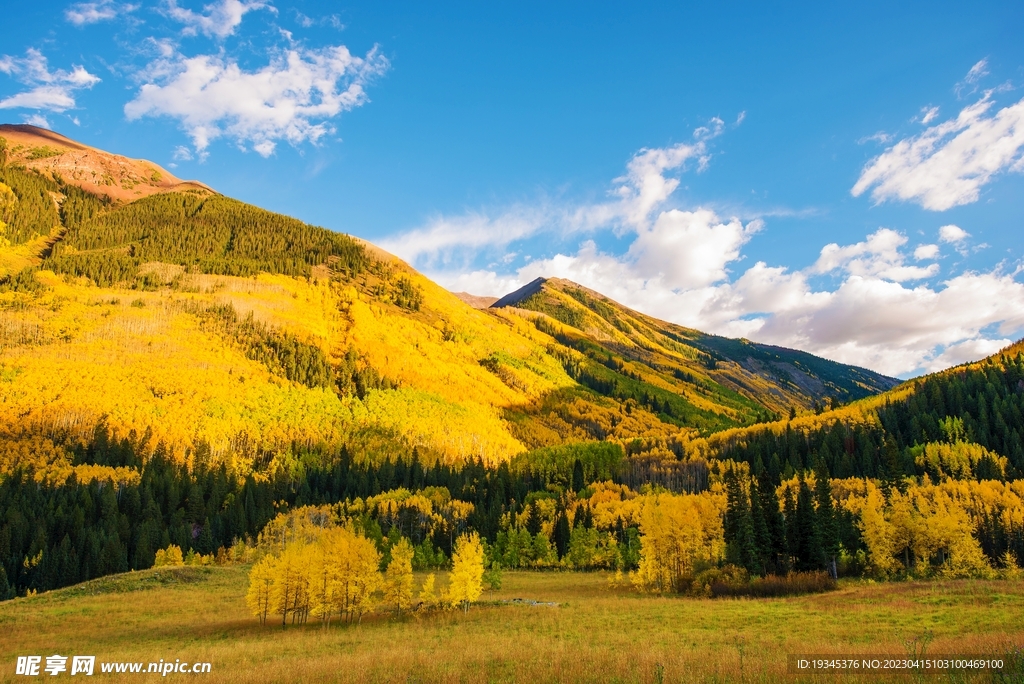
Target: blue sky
(845,180)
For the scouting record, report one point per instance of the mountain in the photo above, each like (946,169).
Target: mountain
(962,423)
(162,316)
(775,377)
(100,173)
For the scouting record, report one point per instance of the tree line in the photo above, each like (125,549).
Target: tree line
(211,233)
(57,534)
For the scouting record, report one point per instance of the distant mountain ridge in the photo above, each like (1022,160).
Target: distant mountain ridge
(630,333)
(190,323)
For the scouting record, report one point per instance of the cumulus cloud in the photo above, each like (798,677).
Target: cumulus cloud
(645,184)
(866,303)
(884,325)
(689,249)
(217,20)
(48,90)
(878,256)
(83,13)
(947,164)
(953,233)
(293,98)
(182,153)
(868,319)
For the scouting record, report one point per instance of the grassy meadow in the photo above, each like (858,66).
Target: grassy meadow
(594,634)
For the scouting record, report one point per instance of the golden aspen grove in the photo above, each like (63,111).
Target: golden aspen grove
(329,447)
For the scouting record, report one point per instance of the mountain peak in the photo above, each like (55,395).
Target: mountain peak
(513,298)
(97,172)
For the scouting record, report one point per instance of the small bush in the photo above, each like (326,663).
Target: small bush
(733,581)
(492,578)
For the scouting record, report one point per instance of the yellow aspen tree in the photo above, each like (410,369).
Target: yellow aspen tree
(428,598)
(906,526)
(322,571)
(398,581)
(304,602)
(173,556)
(366,578)
(1011,568)
(261,580)
(878,533)
(341,550)
(290,589)
(467,571)
(677,534)
(966,559)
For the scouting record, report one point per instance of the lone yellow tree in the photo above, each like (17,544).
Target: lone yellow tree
(398,582)
(467,571)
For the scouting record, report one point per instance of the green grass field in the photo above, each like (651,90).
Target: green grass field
(594,634)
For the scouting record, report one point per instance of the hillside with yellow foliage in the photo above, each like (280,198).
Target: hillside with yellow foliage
(185,321)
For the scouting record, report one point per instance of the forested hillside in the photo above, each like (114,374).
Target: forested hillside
(976,409)
(230,329)
(179,369)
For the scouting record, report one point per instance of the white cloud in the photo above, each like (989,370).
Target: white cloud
(37,120)
(876,309)
(453,241)
(218,20)
(886,326)
(867,320)
(953,233)
(969,85)
(306,21)
(48,90)
(293,98)
(929,114)
(644,186)
(948,164)
(879,137)
(83,13)
(878,256)
(689,249)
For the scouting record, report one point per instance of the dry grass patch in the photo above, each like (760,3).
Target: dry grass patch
(595,634)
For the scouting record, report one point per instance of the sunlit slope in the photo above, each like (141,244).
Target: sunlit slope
(193,323)
(963,422)
(706,370)
(100,173)
(174,364)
